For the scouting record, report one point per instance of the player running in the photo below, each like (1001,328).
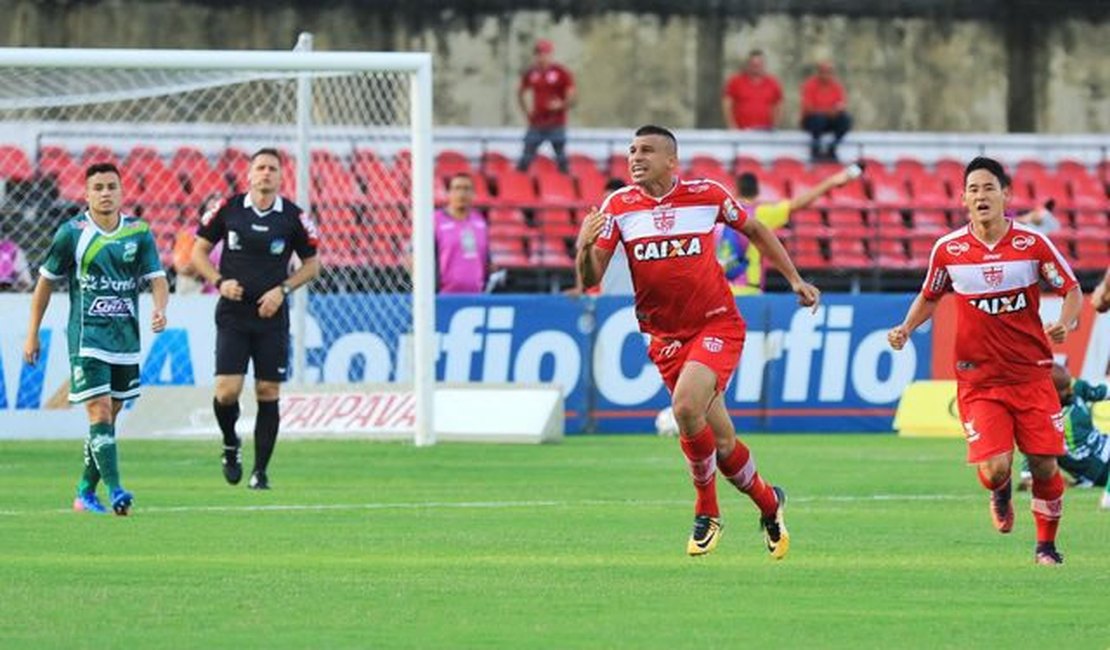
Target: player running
(683,302)
(102,254)
(1003,359)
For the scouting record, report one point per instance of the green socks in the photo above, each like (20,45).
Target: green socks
(91,476)
(102,443)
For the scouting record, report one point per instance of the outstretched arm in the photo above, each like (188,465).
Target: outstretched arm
(817,191)
(920,311)
(772,249)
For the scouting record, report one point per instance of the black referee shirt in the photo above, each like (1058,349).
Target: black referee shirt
(257,244)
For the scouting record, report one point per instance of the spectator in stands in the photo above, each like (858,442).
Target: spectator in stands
(186,279)
(1041,219)
(15,274)
(462,241)
(752,98)
(553,93)
(824,105)
(742,264)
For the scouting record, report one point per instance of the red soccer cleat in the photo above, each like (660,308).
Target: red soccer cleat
(1002,509)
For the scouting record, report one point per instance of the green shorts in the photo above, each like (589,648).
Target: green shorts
(89,378)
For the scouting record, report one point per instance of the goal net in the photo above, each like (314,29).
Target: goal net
(355,132)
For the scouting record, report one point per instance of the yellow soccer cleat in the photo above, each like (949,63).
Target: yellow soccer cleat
(707,532)
(774,529)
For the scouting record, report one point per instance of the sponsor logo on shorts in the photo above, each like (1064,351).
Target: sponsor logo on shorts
(969,431)
(1022,242)
(713,344)
(663,217)
(670,349)
(1000,304)
(78,377)
(112,307)
(1058,421)
(992,275)
(666,248)
(277,247)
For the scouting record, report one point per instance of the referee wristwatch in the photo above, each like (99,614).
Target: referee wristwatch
(286,289)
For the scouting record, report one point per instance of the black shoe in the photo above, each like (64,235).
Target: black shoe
(258,481)
(1047,554)
(232,461)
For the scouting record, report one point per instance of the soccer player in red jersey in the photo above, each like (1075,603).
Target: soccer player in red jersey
(1004,391)
(684,303)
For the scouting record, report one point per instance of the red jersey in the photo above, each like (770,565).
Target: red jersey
(1000,338)
(822,96)
(753,100)
(671,252)
(552,82)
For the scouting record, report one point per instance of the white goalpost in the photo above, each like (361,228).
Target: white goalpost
(356,131)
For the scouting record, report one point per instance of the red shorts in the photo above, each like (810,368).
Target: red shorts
(717,346)
(994,417)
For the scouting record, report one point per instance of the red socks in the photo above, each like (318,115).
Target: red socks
(739,468)
(701,456)
(1047,505)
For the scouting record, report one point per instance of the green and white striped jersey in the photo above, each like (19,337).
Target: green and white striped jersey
(103,270)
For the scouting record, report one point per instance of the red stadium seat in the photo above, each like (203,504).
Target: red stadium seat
(1087,192)
(96,153)
(233,164)
(850,195)
(162,188)
(493,163)
(890,224)
(808,224)
(930,222)
(1031,169)
(206,183)
(1021,194)
(771,188)
(552,253)
(14,163)
(541,164)
(848,253)
(618,167)
(515,187)
(847,224)
(788,167)
(710,168)
(806,253)
(1092,253)
(55,162)
(746,164)
(508,222)
(1052,186)
(906,168)
(449,162)
(555,222)
(892,254)
(930,191)
(508,252)
(920,250)
(951,171)
(888,191)
(556,188)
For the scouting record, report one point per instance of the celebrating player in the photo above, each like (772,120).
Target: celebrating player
(260,231)
(1003,359)
(683,302)
(102,254)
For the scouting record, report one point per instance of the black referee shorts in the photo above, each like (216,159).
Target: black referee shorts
(264,342)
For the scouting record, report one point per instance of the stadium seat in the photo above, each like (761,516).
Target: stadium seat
(514,188)
(808,224)
(381,184)
(55,162)
(784,167)
(848,253)
(187,161)
(710,168)
(1031,169)
(618,167)
(508,222)
(1055,187)
(205,183)
(1087,192)
(551,252)
(951,171)
(541,165)
(96,153)
(771,188)
(892,254)
(890,224)
(162,188)
(746,164)
(906,168)
(556,188)
(847,224)
(802,183)
(449,163)
(930,222)
(930,191)
(556,222)
(806,252)
(233,164)
(508,252)
(850,195)
(14,163)
(493,163)
(1021,194)
(1092,253)
(888,191)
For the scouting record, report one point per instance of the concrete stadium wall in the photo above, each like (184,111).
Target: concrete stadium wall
(904,71)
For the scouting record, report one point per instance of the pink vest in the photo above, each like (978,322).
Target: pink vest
(462,252)
(9,255)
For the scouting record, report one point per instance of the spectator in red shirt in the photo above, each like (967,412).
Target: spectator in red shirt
(752,98)
(553,93)
(823,111)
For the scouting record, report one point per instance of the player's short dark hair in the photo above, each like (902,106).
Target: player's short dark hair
(652,129)
(269,151)
(102,168)
(755,52)
(991,165)
(748,185)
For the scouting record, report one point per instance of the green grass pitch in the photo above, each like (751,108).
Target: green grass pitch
(576,545)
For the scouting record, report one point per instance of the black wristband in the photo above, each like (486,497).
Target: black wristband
(217,283)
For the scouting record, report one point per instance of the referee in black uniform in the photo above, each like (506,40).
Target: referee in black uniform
(260,231)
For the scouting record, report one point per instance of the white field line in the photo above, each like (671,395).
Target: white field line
(498,505)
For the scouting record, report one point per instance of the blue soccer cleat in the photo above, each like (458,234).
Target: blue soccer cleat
(88,502)
(121,501)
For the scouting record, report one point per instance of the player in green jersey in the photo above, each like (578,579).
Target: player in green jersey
(1088,457)
(103,254)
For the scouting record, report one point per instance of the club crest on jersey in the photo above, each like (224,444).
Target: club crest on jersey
(954,248)
(1022,242)
(1000,304)
(129,250)
(277,247)
(992,275)
(732,211)
(663,217)
(666,248)
(713,344)
(1052,274)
